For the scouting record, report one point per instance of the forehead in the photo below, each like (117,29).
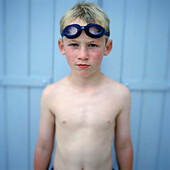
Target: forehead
(77,21)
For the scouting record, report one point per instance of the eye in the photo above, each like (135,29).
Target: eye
(74,45)
(93,45)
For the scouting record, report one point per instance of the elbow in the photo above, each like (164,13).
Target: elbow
(43,146)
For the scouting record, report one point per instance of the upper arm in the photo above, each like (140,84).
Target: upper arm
(47,121)
(123,138)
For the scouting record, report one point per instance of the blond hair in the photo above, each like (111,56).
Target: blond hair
(87,12)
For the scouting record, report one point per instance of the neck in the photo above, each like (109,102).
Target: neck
(86,82)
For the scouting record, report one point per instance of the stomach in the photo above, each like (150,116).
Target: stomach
(84,149)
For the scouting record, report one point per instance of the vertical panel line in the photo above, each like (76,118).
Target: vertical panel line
(123,41)
(139,129)
(29,135)
(160,131)
(168,57)
(28,89)
(146,40)
(4,37)
(54,40)
(6,127)
(29,39)
(5,89)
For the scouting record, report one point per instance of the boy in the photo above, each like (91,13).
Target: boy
(85,108)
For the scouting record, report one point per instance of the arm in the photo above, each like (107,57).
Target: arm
(123,143)
(45,141)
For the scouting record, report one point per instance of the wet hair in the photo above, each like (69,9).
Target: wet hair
(87,12)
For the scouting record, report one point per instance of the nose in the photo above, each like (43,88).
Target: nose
(83,54)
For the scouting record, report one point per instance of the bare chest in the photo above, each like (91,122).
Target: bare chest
(85,111)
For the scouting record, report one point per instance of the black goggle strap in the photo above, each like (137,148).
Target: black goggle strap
(87,28)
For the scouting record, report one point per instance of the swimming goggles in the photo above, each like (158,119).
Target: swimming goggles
(92,30)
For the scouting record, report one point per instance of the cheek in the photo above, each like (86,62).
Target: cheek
(70,59)
(97,58)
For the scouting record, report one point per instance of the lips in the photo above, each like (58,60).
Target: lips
(83,66)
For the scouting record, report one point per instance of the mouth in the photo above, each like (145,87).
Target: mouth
(83,66)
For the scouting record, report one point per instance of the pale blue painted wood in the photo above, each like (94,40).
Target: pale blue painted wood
(16,37)
(41,37)
(3,141)
(136,103)
(2,38)
(17,128)
(33,81)
(149,132)
(156,50)
(112,63)
(164,148)
(35,96)
(135,39)
(3,146)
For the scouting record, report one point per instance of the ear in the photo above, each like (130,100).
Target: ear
(108,47)
(61,46)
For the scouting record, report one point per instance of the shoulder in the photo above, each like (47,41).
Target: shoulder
(54,90)
(51,90)
(48,91)
(119,91)
(122,90)
(123,97)
(117,87)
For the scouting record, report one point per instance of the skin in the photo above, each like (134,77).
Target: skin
(84,110)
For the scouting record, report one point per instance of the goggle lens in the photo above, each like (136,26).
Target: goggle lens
(95,30)
(71,30)
(92,30)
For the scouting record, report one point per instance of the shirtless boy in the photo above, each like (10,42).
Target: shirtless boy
(86,109)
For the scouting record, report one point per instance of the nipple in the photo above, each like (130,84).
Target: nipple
(108,121)
(63,122)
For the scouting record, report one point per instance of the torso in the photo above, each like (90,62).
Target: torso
(85,124)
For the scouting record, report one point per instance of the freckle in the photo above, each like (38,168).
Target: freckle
(63,122)
(108,121)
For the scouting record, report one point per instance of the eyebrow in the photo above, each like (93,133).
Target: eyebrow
(72,40)
(91,41)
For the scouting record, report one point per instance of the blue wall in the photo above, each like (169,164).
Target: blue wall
(30,60)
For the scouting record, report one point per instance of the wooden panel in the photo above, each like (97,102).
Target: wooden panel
(2,38)
(113,62)
(149,132)
(147,85)
(2,97)
(164,148)
(3,134)
(35,96)
(135,39)
(17,128)
(16,37)
(25,81)
(41,37)
(157,33)
(136,98)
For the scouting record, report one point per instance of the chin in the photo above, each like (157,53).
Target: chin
(85,74)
